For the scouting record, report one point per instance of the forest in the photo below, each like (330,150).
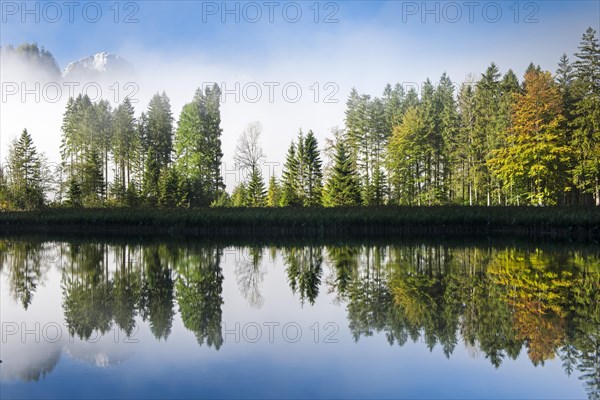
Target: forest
(492,141)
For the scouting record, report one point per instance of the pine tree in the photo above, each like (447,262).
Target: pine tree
(313,189)
(431,146)
(448,123)
(92,180)
(273,192)
(170,188)
(379,134)
(342,187)
(239,196)
(152,174)
(465,150)
(394,105)
(360,140)
(25,184)
(104,131)
(256,193)
(487,101)
(289,186)
(564,78)
(532,68)
(213,131)
(406,160)
(198,146)
(380,189)
(586,116)
(159,128)
(74,194)
(126,149)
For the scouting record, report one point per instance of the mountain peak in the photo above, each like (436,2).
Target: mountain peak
(99,64)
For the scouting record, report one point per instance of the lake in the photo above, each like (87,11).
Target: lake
(418,318)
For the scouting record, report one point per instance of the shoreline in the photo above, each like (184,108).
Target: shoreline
(581,223)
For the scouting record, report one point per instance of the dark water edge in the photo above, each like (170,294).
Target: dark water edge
(547,223)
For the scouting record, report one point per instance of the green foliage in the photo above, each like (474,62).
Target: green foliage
(313,179)
(24,188)
(198,147)
(239,196)
(273,192)
(586,113)
(535,158)
(171,189)
(290,186)
(342,187)
(222,200)
(405,159)
(256,194)
(199,291)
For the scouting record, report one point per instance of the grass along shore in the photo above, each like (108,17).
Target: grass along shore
(567,222)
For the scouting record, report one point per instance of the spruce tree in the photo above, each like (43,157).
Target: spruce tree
(25,184)
(406,160)
(289,185)
(152,174)
(313,189)
(586,116)
(198,146)
(239,196)
(126,149)
(487,101)
(159,128)
(465,150)
(256,193)
(92,181)
(342,187)
(273,193)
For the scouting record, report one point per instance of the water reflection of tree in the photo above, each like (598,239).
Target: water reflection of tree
(199,294)
(368,295)
(156,302)
(127,288)
(26,269)
(344,261)
(87,290)
(499,301)
(250,273)
(586,308)
(304,270)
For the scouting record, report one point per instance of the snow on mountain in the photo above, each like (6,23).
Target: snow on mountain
(101,65)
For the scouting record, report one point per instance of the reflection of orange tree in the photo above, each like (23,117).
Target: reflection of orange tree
(537,295)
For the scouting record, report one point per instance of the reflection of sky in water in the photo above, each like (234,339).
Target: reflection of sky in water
(179,367)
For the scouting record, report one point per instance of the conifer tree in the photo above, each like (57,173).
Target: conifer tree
(126,149)
(198,146)
(25,184)
(289,185)
(256,193)
(273,192)
(342,187)
(313,189)
(406,160)
(586,116)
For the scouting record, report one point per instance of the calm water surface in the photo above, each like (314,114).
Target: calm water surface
(403,320)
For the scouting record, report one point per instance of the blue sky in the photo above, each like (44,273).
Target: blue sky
(196,26)
(178,45)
